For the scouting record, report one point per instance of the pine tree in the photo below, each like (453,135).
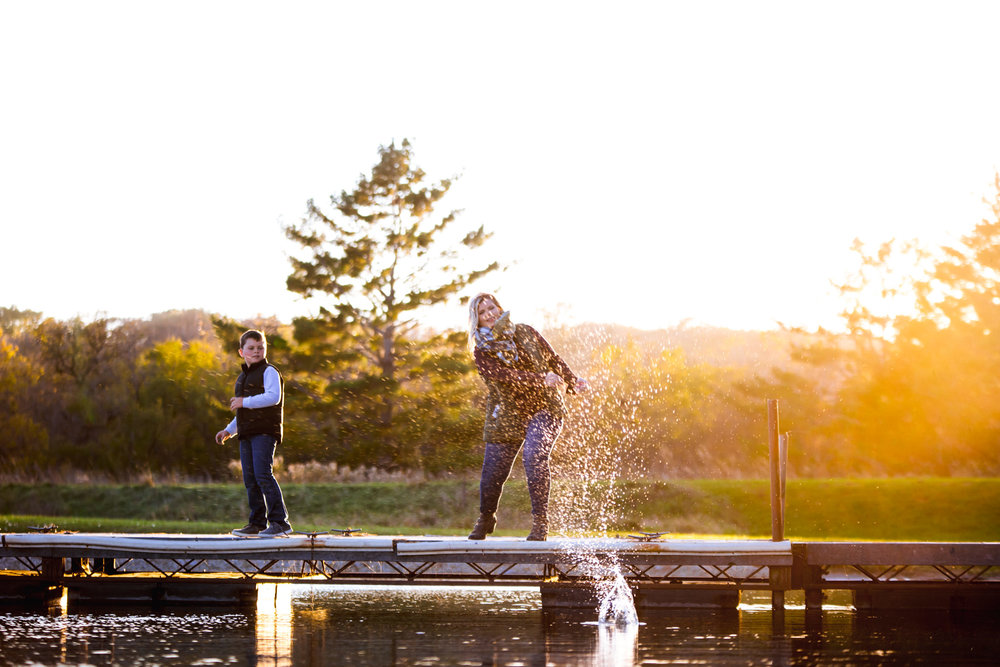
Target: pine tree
(382,253)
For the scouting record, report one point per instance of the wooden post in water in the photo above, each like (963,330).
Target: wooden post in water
(777,513)
(779,578)
(783,466)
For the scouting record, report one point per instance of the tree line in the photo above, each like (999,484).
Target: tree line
(909,387)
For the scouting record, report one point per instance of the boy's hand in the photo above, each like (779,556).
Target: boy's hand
(222,436)
(235,403)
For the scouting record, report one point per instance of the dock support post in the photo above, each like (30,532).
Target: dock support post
(53,569)
(780,578)
(47,589)
(777,510)
(105,565)
(782,467)
(808,578)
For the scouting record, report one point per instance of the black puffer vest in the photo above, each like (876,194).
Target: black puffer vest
(261,421)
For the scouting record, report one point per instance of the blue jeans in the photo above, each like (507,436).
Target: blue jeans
(543,429)
(263,492)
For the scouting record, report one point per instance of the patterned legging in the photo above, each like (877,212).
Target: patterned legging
(543,429)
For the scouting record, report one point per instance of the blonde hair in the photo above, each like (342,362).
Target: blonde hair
(474,315)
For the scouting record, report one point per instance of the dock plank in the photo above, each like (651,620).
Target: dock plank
(901,553)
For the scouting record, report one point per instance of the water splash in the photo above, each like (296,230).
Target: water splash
(617,605)
(601,567)
(597,454)
(603,443)
(589,468)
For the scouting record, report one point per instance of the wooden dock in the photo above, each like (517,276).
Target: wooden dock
(662,572)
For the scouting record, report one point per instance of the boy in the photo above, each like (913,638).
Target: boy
(259,406)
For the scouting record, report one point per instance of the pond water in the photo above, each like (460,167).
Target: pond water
(333,625)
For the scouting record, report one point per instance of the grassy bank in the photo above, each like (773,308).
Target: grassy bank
(926,509)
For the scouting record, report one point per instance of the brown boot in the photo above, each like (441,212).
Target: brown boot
(484,526)
(539,528)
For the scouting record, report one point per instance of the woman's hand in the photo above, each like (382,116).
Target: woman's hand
(552,379)
(581,386)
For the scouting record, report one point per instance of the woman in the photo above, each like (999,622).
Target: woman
(524,407)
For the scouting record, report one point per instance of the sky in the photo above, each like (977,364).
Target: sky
(640,163)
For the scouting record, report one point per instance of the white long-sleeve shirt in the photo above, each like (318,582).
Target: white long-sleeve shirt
(271,396)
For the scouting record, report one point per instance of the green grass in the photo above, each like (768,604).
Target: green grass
(920,509)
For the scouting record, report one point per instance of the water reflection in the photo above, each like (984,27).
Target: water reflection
(274,625)
(124,636)
(433,625)
(617,645)
(328,625)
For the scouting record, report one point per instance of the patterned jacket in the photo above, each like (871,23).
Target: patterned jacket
(518,391)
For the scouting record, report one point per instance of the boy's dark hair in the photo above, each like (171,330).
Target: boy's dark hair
(252,334)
